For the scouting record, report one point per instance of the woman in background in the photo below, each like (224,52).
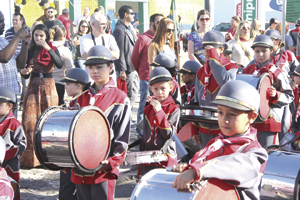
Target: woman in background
(58,38)
(256,28)
(84,28)
(41,93)
(235,20)
(195,39)
(163,40)
(242,53)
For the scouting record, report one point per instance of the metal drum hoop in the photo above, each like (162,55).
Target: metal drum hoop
(37,134)
(71,143)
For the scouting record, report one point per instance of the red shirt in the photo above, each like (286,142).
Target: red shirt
(139,56)
(67,23)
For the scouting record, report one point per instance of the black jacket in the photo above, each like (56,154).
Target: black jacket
(125,43)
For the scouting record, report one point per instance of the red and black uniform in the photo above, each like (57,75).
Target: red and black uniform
(187,94)
(216,72)
(238,160)
(13,134)
(116,107)
(284,96)
(158,128)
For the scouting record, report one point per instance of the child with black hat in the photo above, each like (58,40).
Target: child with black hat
(188,71)
(280,94)
(12,132)
(160,119)
(116,106)
(234,158)
(168,62)
(77,81)
(210,78)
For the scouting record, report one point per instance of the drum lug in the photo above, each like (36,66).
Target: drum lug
(198,185)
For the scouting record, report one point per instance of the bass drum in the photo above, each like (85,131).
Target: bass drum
(261,83)
(72,138)
(281,177)
(156,184)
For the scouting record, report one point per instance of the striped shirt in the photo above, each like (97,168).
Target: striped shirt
(8,71)
(9,34)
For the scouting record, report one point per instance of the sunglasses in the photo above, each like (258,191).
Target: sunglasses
(245,28)
(157,22)
(204,19)
(170,30)
(50,11)
(131,13)
(84,26)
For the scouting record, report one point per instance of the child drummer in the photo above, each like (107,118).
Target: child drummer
(11,130)
(116,107)
(235,156)
(188,71)
(210,78)
(161,119)
(280,94)
(77,81)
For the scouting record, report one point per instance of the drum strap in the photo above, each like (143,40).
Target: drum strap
(245,50)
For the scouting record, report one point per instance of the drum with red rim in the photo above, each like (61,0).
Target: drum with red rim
(261,83)
(69,138)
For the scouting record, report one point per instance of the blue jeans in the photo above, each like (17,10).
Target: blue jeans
(144,93)
(79,64)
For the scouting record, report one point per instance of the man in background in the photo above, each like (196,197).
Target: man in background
(44,17)
(52,21)
(64,18)
(126,39)
(139,59)
(18,21)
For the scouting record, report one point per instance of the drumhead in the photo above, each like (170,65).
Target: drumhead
(89,139)
(265,82)
(37,141)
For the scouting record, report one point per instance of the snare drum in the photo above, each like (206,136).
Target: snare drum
(144,157)
(281,177)
(68,138)
(261,83)
(156,184)
(195,113)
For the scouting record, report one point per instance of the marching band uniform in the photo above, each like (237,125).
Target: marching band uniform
(66,187)
(116,107)
(188,90)
(159,127)
(12,132)
(238,160)
(168,62)
(267,130)
(215,73)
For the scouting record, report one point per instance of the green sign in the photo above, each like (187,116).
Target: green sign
(249,10)
(292,10)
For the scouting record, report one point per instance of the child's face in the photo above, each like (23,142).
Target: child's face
(233,121)
(262,54)
(39,35)
(73,89)
(297,79)
(100,72)
(188,78)
(4,108)
(161,90)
